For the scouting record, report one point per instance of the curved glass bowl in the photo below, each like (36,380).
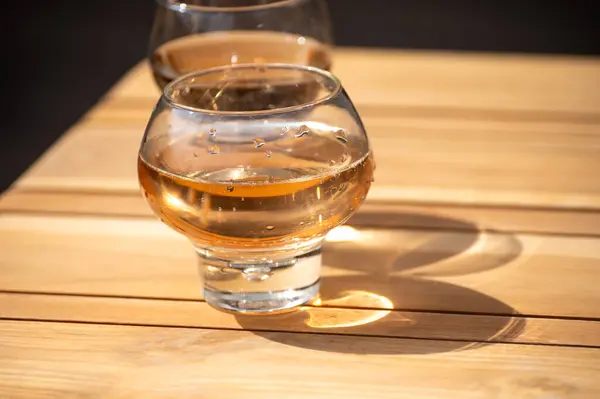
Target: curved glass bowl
(201,34)
(255,164)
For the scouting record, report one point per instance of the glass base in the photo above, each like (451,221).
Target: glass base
(260,285)
(261,302)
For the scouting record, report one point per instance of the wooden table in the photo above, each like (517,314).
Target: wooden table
(476,273)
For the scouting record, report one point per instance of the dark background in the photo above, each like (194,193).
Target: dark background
(60,56)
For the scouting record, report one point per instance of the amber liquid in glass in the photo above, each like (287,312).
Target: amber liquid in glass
(208,50)
(257,194)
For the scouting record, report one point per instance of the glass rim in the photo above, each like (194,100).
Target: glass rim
(182,6)
(169,88)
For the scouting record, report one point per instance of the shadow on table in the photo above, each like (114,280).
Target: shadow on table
(376,285)
(424,245)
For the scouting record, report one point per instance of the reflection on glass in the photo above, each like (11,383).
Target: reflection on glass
(343,234)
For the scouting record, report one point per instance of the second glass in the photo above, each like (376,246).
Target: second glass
(193,35)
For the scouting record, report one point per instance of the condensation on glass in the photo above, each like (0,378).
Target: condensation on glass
(255,164)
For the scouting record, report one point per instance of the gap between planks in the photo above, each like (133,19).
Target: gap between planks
(383,323)
(574,222)
(323,305)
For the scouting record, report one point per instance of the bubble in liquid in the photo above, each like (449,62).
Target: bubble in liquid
(219,209)
(301,224)
(212,132)
(257,273)
(302,131)
(243,199)
(258,142)
(214,149)
(186,90)
(268,154)
(270,228)
(284,130)
(233,209)
(331,162)
(341,136)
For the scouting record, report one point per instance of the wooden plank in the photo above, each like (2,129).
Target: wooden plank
(42,360)
(424,270)
(430,161)
(75,203)
(134,112)
(516,220)
(446,128)
(455,81)
(310,319)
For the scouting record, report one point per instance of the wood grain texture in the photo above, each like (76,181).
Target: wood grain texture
(445,128)
(395,215)
(44,360)
(562,85)
(414,269)
(474,276)
(463,328)
(424,160)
